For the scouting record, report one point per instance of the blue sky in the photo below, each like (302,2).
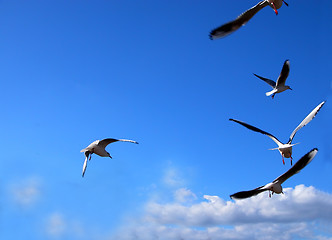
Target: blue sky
(76,71)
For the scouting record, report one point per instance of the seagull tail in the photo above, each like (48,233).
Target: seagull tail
(293,144)
(273,148)
(271,92)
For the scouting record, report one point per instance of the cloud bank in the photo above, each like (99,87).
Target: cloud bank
(301,212)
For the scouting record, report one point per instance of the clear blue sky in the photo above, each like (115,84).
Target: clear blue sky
(73,72)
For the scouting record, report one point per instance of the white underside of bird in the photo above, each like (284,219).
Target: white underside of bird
(277,90)
(278,86)
(275,185)
(285,149)
(98,148)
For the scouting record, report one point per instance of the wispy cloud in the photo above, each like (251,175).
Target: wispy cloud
(184,195)
(298,213)
(56,225)
(172,177)
(25,193)
(59,226)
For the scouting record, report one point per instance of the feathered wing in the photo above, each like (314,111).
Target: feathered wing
(103,143)
(85,165)
(247,194)
(298,166)
(241,20)
(126,140)
(268,81)
(284,74)
(258,130)
(306,120)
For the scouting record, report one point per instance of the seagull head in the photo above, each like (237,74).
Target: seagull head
(275,4)
(87,153)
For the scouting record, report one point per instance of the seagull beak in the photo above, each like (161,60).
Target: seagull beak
(290,89)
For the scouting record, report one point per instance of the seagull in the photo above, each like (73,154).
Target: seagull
(275,185)
(280,85)
(241,20)
(285,149)
(98,147)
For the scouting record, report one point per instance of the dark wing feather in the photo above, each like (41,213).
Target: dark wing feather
(106,141)
(241,20)
(268,81)
(247,194)
(298,166)
(257,130)
(306,120)
(284,74)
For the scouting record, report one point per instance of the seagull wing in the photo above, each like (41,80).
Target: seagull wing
(247,194)
(268,81)
(103,143)
(257,130)
(84,165)
(298,166)
(241,20)
(284,74)
(306,120)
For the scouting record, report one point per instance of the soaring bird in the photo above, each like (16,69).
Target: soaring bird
(275,185)
(98,147)
(285,149)
(241,20)
(278,86)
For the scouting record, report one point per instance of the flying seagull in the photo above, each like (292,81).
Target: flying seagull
(278,86)
(275,185)
(98,147)
(285,149)
(241,20)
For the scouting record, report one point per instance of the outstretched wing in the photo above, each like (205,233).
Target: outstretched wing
(84,165)
(247,194)
(241,20)
(298,166)
(284,74)
(306,120)
(103,143)
(257,130)
(268,81)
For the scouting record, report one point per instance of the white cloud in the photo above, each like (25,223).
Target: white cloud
(26,192)
(172,178)
(56,225)
(298,213)
(184,195)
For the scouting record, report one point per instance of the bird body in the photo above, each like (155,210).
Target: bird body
(275,185)
(98,147)
(242,19)
(278,86)
(285,149)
